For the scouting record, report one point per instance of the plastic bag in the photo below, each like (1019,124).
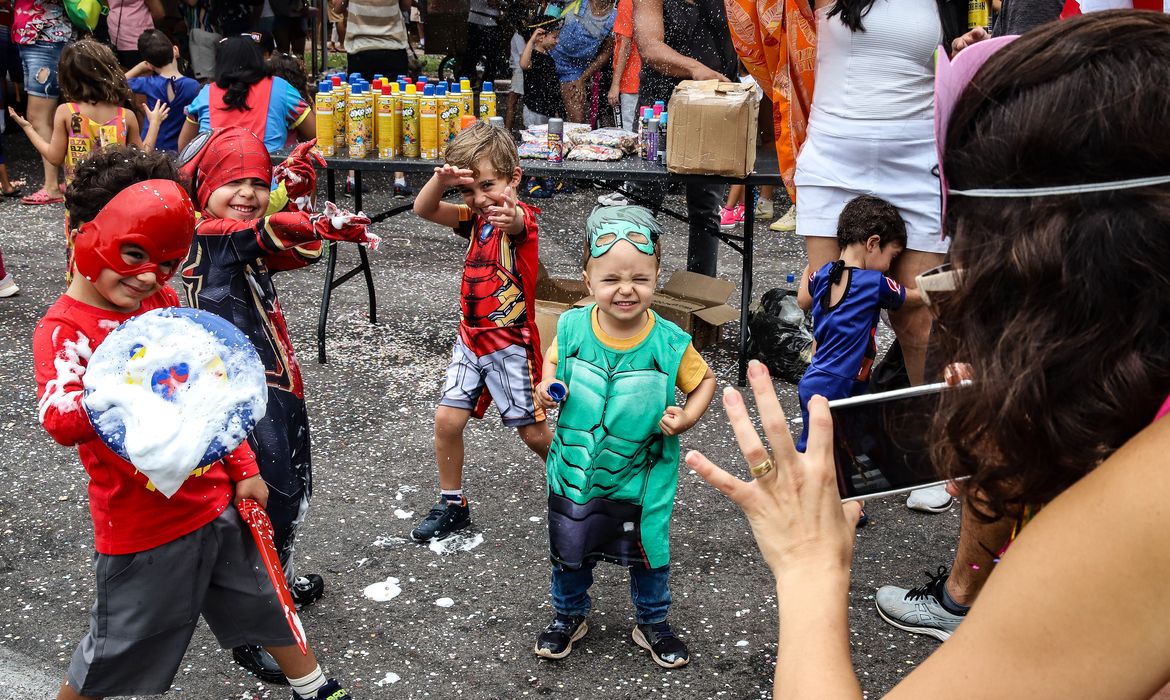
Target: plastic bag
(780,335)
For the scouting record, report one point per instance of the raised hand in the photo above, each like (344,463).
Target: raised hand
(158,113)
(337,224)
(450,176)
(298,174)
(504,214)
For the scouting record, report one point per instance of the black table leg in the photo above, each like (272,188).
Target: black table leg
(745,295)
(330,267)
(365,258)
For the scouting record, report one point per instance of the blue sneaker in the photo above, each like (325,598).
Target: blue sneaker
(332,690)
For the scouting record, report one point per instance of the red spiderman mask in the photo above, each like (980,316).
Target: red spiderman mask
(155,215)
(222,156)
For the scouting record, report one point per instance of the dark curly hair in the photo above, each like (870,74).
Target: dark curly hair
(104,174)
(239,64)
(1064,306)
(867,216)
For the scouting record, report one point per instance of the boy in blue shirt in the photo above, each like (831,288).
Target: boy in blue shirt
(846,297)
(157,79)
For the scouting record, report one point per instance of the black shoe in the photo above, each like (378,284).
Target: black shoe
(556,641)
(401,189)
(445,517)
(332,690)
(667,650)
(255,660)
(307,590)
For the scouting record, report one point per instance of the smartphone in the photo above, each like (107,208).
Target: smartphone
(881,441)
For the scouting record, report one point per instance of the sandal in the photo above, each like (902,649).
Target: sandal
(14,192)
(41,197)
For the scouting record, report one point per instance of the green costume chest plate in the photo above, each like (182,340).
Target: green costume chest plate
(612,474)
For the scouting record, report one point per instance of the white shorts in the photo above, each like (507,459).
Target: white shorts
(844,158)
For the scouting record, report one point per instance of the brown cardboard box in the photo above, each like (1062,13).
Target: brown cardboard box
(553,297)
(695,303)
(712,129)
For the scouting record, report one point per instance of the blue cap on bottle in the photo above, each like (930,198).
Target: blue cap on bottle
(325,86)
(440,90)
(429,90)
(354,77)
(790,278)
(659,103)
(378,76)
(557,392)
(488,87)
(662,118)
(422,79)
(444,84)
(455,88)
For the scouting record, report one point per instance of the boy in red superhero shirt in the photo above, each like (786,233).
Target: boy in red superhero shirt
(229,273)
(161,562)
(498,347)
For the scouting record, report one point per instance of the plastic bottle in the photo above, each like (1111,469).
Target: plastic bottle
(410,122)
(324,109)
(340,93)
(387,144)
(468,106)
(652,129)
(369,117)
(556,134)
(487,101)
(428,121)
(455,100)
(443,118)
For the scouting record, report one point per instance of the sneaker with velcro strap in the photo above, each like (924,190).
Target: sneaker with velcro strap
(667,650)
(556,641)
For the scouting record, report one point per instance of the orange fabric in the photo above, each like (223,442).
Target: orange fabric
(776,41)
(623,29)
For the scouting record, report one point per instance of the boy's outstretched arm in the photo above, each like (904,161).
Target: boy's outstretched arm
(60,355)
(679,419)
(429,203)
(548,375)
(803,295)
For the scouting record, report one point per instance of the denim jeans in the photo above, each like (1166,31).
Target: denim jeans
(649,591)
(40,68)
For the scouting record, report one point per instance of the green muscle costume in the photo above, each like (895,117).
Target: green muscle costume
(612,474)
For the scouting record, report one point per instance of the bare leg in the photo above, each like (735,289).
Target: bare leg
(912,326)
(979,544)
(734,196)
(538,437)
(449,425)
(5,183)
(40,114)
(68,693)
(820,250)
(574,98)
(292,662)
(511,110)
(767,192)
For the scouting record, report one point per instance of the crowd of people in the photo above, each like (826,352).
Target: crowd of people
(1023,169)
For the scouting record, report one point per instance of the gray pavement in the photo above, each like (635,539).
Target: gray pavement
(371,410)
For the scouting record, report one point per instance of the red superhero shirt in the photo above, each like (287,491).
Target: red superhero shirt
(498,294)
(128,514)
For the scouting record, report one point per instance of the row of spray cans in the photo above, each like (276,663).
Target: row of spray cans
(652,124)
(396,119)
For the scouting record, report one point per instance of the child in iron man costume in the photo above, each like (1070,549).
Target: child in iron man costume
(238,245)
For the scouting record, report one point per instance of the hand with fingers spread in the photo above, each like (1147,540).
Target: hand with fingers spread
(504,214)
(449,176)
(21,121)
(792,503)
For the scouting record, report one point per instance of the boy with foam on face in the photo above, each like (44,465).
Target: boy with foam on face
(613,465)
(498,346)
(238,246)
(160,562)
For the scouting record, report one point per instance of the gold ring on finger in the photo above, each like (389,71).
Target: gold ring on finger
(762,468)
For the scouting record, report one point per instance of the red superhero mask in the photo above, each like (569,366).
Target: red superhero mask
(225,155)
(155,215)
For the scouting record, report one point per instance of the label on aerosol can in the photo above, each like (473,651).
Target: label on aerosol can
(978,14)
(556,133)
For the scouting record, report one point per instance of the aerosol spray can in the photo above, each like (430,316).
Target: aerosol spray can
(662,130)
(487,101)
(652,129)
(497,122)
(978,14)
(325,128)
(556,133)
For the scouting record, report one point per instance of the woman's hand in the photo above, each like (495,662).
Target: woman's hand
(792,504)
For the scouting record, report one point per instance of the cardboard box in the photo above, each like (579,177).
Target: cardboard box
(712,129)
(695,303)
(554,296)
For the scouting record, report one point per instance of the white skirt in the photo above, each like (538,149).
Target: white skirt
(844,158)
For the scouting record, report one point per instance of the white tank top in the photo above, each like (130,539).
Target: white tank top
(884,72)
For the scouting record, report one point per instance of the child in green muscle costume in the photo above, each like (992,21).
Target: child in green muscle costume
(613,464)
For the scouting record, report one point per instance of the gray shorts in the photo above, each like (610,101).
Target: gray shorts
(509,375)
(148,604)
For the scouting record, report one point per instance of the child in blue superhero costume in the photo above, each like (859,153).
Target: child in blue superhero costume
(846,297)
(613,464)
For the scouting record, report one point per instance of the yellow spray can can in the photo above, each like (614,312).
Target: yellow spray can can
(387,144)
(410,123)
(325,128)
(428,124)
(487,101)
(468,97)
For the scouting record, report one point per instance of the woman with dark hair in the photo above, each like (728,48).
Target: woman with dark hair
(245,94)
(870,132)
(1059,212)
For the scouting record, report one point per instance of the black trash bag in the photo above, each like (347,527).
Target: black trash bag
(780,335)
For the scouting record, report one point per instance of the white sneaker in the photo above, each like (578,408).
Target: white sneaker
(919,610)
(786,222)
(8,287)
(613,199)
(933,499)
(764,209)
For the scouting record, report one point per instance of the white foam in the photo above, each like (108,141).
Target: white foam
(456,543)
(444,602)
(390,678)
(383,590)
(403,514)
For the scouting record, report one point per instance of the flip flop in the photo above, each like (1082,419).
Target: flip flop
(14,192)
(41,197)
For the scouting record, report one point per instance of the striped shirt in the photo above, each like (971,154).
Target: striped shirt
(374,25)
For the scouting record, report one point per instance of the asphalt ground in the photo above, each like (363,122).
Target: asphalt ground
(371,414)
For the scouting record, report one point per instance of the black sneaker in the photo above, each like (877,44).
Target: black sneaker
(556,641)
(255,660)
(332,690)
(307,590)
(445,517)
(667,650)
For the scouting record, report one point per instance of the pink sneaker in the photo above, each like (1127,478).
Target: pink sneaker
(728,218)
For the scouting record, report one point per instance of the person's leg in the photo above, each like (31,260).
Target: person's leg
(703,212)
(569,590)
(979,545)
(536,435)
(734,196)
(449,425)
(912,325)
(573,95)
(40,82)
(650,593)
(68,693)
